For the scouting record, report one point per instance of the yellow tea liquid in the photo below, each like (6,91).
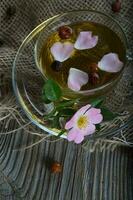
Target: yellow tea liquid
(108,42)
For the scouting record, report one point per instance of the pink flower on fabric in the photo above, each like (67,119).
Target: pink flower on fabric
(85,40)
(83,123)
(77,79)
(62,51)
(110,63)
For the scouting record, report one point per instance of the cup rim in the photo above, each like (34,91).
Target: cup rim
(82,92)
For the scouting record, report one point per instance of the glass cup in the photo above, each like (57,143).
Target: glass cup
(71,18)
(27,68)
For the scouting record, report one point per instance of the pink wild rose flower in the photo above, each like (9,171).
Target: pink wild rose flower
(83,123)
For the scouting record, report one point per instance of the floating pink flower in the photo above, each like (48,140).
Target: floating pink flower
(62,51)
(110,63)
(85,40)
(83,123)
(77,79)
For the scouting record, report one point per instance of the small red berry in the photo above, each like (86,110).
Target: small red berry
(65,32)
(116,6)
(94,78)
(56,167)
(93,67)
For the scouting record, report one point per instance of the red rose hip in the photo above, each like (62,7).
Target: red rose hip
(56,167)
(65,32)
(94,78)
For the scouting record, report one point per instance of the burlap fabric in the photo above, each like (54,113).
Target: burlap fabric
(18,18)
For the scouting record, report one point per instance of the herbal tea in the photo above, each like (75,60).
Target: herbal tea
(84,60)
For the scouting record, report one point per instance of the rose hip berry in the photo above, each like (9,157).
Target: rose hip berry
(93,67)
(94,78)
(65,32)
(56,167)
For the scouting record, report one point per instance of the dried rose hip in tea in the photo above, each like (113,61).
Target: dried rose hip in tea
(93,67)
(56,66)
(65,32)
(94,78)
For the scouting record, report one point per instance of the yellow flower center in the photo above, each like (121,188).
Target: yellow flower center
(82,122)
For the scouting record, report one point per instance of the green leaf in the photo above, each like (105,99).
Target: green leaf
(97,102)
(44,98)
(52,90)
(55,121)
(50,115)
(66,103)
(98,127)
(61,133)
(67,112)
(107,114)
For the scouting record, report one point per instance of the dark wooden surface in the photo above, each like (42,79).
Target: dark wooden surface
(105,174)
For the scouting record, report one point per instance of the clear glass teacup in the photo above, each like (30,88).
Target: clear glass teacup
(28,81)
(74,17)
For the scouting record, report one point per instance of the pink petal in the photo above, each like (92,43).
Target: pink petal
(71,135)
(72,122)
(96,119)
(85,40)
(77,79)
(90,129)
(83,109)
(62,51)
(110,63)
(94,111)
(94,115)
(79,138)
(69,124)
